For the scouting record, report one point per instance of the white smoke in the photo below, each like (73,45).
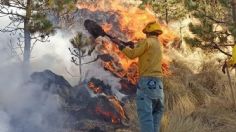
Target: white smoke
(26,107)
(4,122)
(54,55)
(97,71)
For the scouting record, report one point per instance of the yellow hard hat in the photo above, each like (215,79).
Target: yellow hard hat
(152,27)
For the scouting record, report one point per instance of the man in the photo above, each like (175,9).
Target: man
(230,62)
(149,96)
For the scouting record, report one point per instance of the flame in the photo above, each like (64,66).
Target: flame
(114,102)
(131,21)
(117,105)
(93,87)
(107,27)
(110,115)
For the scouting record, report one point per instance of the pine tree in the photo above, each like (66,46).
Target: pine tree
(81,50)
(29,19)
(168,10)
(215,27)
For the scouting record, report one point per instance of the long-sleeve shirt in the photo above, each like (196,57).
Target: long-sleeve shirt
(149,52)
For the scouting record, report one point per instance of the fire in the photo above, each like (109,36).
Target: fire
(106,27)
(115,118)
(131,21)
(94,88)
(110,115)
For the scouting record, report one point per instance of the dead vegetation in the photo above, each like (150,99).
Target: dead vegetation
(196,100)
(200,101)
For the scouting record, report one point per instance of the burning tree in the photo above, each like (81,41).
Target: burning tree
(29,19)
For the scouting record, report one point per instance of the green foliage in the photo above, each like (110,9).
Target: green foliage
(61,5)
(232,29)
(38,11)
(225,3)
(190,5)
(169,10)
(40,23)
(193,41)
(79,41)
(214,26)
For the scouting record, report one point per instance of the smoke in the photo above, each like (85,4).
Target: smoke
(24,106)
(55,55)
(97,71)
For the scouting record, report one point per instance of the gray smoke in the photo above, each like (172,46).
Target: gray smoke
(24,106)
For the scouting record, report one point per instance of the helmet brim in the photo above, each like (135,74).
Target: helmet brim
(158,32)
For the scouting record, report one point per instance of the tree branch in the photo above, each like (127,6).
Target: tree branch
(7,12)
(70,73)
(91,61)
(217,47)
(211,18)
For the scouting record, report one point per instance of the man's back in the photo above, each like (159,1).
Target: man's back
(150,60)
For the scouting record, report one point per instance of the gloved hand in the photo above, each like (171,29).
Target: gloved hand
(120,44)
(130,44)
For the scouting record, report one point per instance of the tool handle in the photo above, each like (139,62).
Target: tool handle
(118,41)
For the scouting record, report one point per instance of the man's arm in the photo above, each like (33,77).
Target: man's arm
(137,51)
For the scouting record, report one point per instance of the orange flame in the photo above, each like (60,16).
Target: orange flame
(114,102)
(95,89)
(117,105)
(106,27)
(110,115)
(131,20)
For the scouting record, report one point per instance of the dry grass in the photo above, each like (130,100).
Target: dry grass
(198,101)
(194,101)
(176,123)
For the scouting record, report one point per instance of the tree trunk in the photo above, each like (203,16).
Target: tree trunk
(5,2)
(27,39)
(166,12)
(80,66)
(234,10)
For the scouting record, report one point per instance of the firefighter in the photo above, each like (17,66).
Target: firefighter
(149,95)
(230,62)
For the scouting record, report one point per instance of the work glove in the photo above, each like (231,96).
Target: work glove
(119,43)
(122,44)
(130,44)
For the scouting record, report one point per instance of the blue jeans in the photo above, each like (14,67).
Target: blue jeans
(150,103)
